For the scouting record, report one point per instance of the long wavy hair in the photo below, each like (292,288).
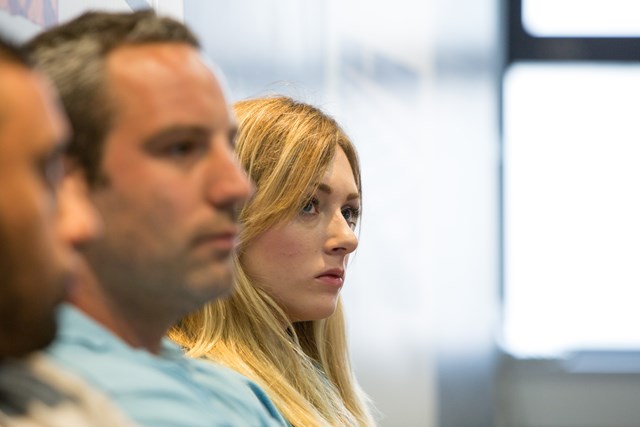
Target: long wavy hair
(286,147)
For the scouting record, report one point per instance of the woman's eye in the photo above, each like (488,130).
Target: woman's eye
(310,207)
(351,215)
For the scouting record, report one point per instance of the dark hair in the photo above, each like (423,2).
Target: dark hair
(73,56)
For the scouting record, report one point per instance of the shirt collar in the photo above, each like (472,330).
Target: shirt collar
(75,325)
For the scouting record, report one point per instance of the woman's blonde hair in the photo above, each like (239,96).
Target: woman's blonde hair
(286,147)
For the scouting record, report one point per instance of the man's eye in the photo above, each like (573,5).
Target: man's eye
(184,148)
(51,171)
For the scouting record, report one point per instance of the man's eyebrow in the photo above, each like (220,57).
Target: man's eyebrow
(58,147)
(195,130)
(62,145)
(328,190)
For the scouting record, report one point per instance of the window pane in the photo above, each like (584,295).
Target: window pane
(582,18)
(572,207)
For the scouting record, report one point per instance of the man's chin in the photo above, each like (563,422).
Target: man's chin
(227,292)
(214,287)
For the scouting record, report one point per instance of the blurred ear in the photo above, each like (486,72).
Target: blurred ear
(78,221)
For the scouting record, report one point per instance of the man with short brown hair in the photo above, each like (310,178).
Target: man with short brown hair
(154,137)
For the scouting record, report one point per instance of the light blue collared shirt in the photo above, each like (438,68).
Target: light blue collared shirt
(168,389)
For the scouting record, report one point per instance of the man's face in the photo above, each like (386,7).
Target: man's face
(172,183)
(40,219)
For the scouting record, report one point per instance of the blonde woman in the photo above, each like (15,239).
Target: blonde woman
(284,326)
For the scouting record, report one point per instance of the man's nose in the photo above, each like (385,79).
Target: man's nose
(78,221)
(228,184)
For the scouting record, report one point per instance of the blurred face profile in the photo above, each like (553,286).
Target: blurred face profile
(41,220)
(301,263)
(171,183)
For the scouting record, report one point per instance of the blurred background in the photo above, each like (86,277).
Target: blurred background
(497,281)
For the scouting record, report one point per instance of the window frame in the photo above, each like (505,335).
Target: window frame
(526,386)
(523,46)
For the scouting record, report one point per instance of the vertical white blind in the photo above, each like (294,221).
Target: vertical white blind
(572,208)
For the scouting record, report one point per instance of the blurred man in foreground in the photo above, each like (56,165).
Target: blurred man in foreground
(44,215)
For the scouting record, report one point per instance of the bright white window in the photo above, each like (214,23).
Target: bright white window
(582,18)
(571,208)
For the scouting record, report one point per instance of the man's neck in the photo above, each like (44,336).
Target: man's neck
(135,325)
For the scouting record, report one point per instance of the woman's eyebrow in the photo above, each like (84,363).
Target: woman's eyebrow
(327,189)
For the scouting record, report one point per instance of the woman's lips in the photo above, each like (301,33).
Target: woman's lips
(332,277)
